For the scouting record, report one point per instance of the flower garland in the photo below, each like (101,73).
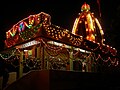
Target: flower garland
(52,50)
(8,55)
(113,61)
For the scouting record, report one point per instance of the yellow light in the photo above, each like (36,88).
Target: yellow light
(85,22)
(80,21)
(98,23)
(86,29)
(89,21)
(75,26)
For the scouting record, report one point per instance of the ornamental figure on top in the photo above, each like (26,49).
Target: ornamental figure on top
(88,26)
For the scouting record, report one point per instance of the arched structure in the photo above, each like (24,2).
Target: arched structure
(88,26)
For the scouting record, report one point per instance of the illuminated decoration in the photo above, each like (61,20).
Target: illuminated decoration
(26,29)
(85,7)
(61,34)
(88,26)
(28,34)
(21,26)
(31,43)
(7,55)
(12,41)
(57,45)
(65,46)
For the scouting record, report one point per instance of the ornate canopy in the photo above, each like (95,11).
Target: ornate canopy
(86,34)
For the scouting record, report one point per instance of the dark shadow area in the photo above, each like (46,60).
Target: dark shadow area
(66,80)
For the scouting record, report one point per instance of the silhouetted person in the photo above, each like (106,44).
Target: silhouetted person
(4,72)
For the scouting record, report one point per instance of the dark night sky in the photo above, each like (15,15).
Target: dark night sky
(63,13)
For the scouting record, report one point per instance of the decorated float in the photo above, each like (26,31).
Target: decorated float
(34,43)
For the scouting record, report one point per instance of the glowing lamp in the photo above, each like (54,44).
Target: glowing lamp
(85,7)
